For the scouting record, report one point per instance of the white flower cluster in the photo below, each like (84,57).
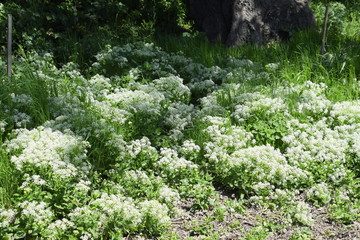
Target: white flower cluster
(21,119)
(246,75)
(115,209)
(137,101)
(265,164)
(58,227)
(232,62)
(178,117)
(173,88)
(272,67)
(283,196)
(100,120)
(343,194)
(137,176)
(110,55)
(3,124)
(346,112)
(147,50)
(255,103)
(99,84)
(303,214)
(169,195)
(114,140)
(355,144)
(108,209)
(22,99)
(262,186)
(210,105)
(34,179)
(79,213)
(155,212)
(265,193)
(171,162)
(320,192)
(118,206)
(205,86)
(83,186)
(119,55)
(44,75)
(63,153)
(86,236)
(312,145)
(140,146)
(310,97)
(223,139)
(150,60)
(189,149)
(37,212)
(110,112)
(6,217)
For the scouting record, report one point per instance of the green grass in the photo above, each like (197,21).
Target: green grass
(299,60)
(9,179)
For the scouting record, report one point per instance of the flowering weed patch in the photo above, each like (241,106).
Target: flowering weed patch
(117,151)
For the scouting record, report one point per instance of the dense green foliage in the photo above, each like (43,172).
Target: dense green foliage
(65,27)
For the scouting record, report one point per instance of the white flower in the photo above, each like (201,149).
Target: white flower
(170,161)
(21,99)
(134,73)
(83,186)
(254,103)
(100,83)
(137,176)
(303,213)
(86,236)
(224,139)
(272,66)
(3,124)
(310,97)
(311,144)
(178,117)
(21,119)
(155,210)
(346,112)
(138,146)
(60,225)
(35,179)
(118,206)
(266,163)
(6,217)
(320,192)
(210,105)
(137,101)
(169,195)
(173,88)
(38,212)
(64,154)
(189,147)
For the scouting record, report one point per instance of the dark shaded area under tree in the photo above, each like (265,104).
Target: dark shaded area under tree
(236,22)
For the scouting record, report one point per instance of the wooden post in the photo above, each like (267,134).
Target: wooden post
(9,47)
(325,30)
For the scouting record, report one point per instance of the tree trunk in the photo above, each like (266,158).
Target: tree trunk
(236,22)
(325,28)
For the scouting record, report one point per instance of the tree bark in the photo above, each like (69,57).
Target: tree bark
(236,22)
